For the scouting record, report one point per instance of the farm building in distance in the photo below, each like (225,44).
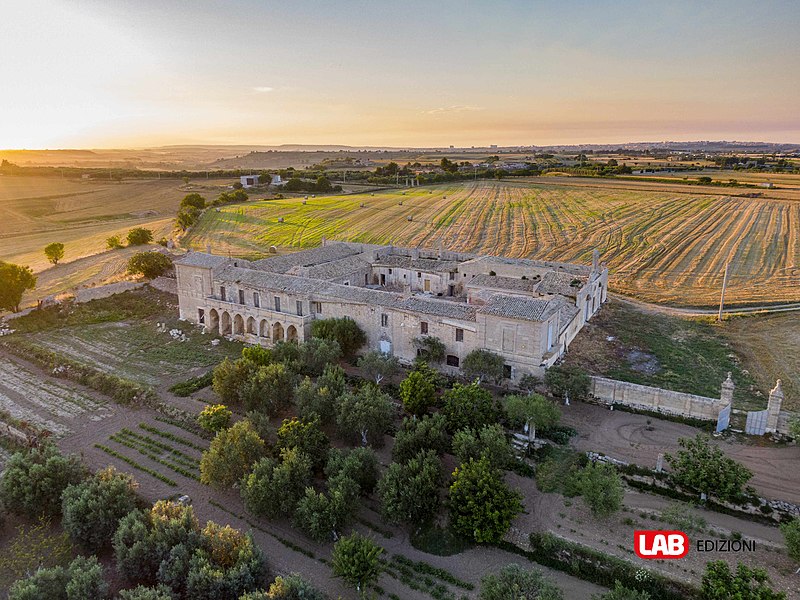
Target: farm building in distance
(527,311)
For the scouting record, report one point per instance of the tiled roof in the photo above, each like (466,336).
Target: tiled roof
(319,289)
(201,259)
(337,268)
(418,264)
(520,307)
(560,282)
(487,261)
(504,283)
(306,258)
(566,313)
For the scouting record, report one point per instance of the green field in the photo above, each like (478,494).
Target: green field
(662,242)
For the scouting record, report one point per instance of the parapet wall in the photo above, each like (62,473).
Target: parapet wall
(642,397)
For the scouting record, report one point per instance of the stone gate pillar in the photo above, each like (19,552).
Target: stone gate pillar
(726,396)
(774,407)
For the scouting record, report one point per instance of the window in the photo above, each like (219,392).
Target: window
(507,373)
(300,307)
(384,320)
(201,315)
(419,274)
(277,304)
(316,308)
(241,296)
(452,276)
(222,293)
(452,361)
(459,335)
(347,283)
(390,271)
(423,327)
(256,300)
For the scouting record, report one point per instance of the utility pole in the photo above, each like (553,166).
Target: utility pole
(722,297)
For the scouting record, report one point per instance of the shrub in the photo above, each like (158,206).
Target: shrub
(791,535)
(469,407)
(139,236)
(483,365)
(601,488)
(513,582)
(567,379)
(427,433)
(356,559)
(113,242)
(214,417)
(291,587)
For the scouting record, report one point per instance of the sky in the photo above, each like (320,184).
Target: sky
(137,73)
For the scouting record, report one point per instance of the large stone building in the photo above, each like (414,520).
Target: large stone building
(527,311)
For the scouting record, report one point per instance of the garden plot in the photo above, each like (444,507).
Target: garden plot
(43,403)
(142,351)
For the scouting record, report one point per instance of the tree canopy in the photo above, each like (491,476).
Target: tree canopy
(139,236)
(488,442)
(746,583)
(469,407)
(344,331)
(54,252)
(481,505)
(214,417)
(149,264)
(378,366)
(427,433)
(92,508)
(364,415)
(15,280)
(705,468)
(483,365)
(274,487)
(409,492)
(567,379)
(34,480)
(231,454)
(534,410)
(81,580)
(418,393)
(601,488)
(356,560)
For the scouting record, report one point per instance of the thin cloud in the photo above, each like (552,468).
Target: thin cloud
(452,109)
(263,89)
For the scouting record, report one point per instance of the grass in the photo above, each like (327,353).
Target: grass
(662,242)
(768,346)
(32,546)
(685,355)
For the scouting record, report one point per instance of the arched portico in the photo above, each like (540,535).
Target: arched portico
(291,334)
(225,324)
(263,329)
(212,324)
(238,325)
(251,326)
(277,332)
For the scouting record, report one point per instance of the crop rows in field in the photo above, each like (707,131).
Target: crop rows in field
(45,404)
(659,245)
(168,453)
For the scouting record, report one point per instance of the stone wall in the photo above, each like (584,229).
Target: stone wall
(642,397)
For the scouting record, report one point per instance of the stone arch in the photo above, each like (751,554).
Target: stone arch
(213,321)
(225,324)
(291,334)
(251,326)
(277,332)
(263,329)
(238,325)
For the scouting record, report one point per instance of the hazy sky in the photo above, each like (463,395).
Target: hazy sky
(122,73)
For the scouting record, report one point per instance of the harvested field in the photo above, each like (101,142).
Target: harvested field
(662,242)
(46,404)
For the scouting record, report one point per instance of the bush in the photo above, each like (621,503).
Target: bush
(186,388)
(409,492)
(356,559)
(214,418)
(81,580)
(54,252)
(34,480)
(291,587)
(513,582)
(427,433)
(601,488)
(146,593)
(139,236)
(483,365)
(113,242)
(489,442)
(149,264)
(92,509)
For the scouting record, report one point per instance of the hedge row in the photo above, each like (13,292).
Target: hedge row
(600,568)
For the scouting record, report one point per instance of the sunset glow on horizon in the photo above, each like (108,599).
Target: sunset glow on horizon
(131,74)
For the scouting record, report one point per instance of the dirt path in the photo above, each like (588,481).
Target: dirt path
(625,436)
(663,309)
